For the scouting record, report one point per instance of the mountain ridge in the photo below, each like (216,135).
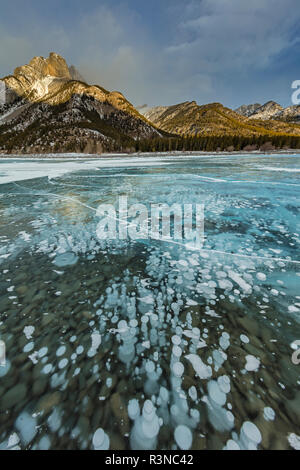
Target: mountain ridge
(191,119)
(271,110)
(48,107)
(43,100)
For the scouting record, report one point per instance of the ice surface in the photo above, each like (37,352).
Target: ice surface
(65,259)
(186,329)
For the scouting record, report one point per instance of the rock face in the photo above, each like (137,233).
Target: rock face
(34,80)
(270,110)
(153,114)
(248,109)
(48,107)
(54,66)
(267,111)
(52,81)
(290,114)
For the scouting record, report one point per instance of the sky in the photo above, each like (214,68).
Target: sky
(163,52)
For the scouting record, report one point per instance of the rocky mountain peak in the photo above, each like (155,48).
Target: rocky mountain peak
(38,68)
(50,80)
(267,111)
(67,113)
(248,109)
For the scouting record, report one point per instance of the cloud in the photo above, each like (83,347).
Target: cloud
(208,50)
(233,34)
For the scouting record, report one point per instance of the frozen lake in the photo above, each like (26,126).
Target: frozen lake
(146,343)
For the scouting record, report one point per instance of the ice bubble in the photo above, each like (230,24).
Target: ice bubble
(146,428)
(224,383)
(122,326)
(174,410)
(215,393)
(44,443)
(182,262)
(176,340)
(164,394)
(224,341)
(232,445)
(47,369)
(225,284)
(63,363)
(177,352)
(61,351)
(150,424)
(178,369)
(269,414)
(13,441)
(28,347)
(96,341)
(203,371)
(133,409)
(43,352)
(4,369)
(66,259)
(149,300)
(183,437)
(294,441)
(28,331)
(148,410)
(252,364)
(54,421)
(150,367)
(193,393)
(101,440)
(250,434)
(109,382)
(26,425)
(244,339)
(261,276)
(293,309)
(76,371)
(195,414)
(240,281)
(154,319)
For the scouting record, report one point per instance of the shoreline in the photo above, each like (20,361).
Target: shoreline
(84,156)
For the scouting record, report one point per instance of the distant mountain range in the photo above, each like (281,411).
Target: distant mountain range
(47,107)
(270,110)
(190,119)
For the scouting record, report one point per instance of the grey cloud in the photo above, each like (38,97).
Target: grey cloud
(213,51)
(232,33)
